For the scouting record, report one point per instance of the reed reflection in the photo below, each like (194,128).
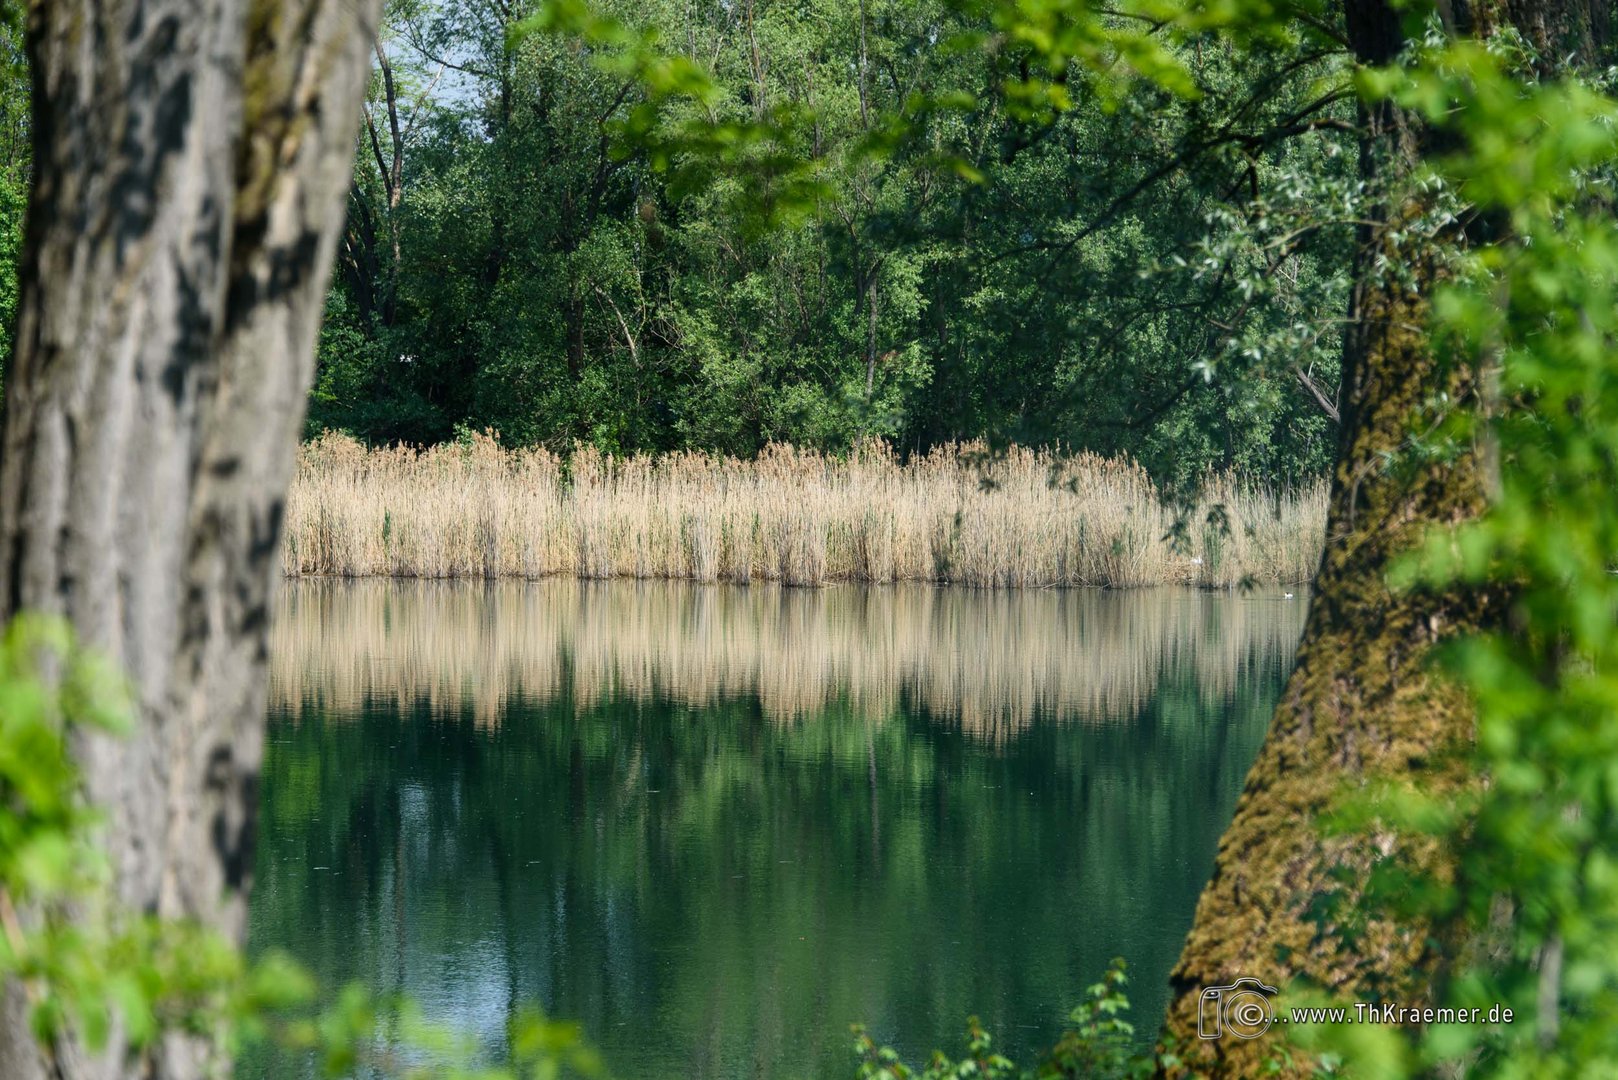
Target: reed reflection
(990,661)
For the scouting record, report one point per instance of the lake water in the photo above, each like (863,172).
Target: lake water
(719,824)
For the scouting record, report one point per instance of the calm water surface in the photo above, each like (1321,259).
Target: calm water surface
(719,824)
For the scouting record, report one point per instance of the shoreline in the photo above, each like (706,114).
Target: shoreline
(1304,584)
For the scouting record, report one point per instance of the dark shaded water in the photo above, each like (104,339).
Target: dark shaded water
(718,825)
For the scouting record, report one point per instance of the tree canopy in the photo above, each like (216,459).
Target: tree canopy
(898,247)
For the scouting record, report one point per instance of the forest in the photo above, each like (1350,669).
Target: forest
(520,256)
(573,538)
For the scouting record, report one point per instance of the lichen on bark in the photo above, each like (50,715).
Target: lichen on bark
(1362,705)
(1288,899)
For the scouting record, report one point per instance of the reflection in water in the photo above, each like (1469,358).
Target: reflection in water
(719,824)
(991,661)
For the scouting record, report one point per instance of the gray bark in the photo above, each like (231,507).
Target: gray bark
(191,160)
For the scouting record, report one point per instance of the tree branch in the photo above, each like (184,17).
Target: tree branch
(1326,405)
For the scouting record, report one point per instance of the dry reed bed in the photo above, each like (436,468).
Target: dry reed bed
(995,660)
(957,515)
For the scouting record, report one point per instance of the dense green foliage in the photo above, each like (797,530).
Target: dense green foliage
(861,233)
(15,155)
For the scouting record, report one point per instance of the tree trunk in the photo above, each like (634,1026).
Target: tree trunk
(573,318)
(191,159)
(1362,703)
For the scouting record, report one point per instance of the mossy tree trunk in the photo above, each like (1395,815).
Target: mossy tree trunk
(191,158)
(1363,702)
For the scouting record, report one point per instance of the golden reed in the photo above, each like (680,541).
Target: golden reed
(1025,518)
(991,661)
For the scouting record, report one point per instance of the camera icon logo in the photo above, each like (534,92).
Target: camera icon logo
(1241,1009)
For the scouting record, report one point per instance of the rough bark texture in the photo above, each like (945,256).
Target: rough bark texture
(191,160)
(1362,702)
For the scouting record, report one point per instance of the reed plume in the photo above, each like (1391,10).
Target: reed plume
(958,515)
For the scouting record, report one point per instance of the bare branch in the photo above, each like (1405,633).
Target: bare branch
(390,96)
(1325,403)
(634,352)
(421,101)
(376,148)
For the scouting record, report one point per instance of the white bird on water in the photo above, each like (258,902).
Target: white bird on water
(1286,596)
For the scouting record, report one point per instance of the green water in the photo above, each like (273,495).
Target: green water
(718,825)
